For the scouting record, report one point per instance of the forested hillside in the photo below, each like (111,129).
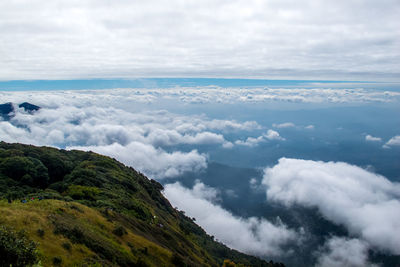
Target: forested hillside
(74,208)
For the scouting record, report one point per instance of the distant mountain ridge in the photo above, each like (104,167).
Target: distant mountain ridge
(7,110)
(83,209)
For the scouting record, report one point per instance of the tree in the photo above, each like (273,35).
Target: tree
(16,249)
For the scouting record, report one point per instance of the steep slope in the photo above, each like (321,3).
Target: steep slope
(85,209)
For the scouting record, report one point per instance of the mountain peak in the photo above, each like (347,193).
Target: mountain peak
(28,107)
(7,110)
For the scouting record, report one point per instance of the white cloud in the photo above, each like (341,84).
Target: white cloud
(372,138)
(230,125)
(284,125)
(343,252)
(367,204)
(202,191)
(251,235)
(231,193)
(251,141)
(253,183)
(256,185)
(273,135)
(394,141)
(227,145)
(155,163)
(86,39)
(292,125)
(160,137)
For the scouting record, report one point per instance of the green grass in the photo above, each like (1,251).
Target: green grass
(53,215)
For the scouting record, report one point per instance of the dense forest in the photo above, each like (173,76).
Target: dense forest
(74,208)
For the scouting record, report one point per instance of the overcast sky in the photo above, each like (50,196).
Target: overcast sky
(272,39)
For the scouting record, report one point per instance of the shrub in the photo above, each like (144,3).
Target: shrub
(16,167)
(132,247)
(228,263)
(83,176)
(119,231)
(28,170)
(50,194)
(137,208)
(16,249)
(74,207)
(40,232)
(141,263)
(57,260)
(177,260)
(66,246)
(144,250)
(82,192)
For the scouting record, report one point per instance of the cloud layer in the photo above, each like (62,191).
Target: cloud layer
(394,141)
(201,95)
(371,138)
(251,235)
(268,136)
(154,162)
(343,252)
(284,125)
(367,204)
(146,140)
(353,40)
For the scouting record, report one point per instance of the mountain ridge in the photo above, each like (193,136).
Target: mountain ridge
(85,209)
(7,110)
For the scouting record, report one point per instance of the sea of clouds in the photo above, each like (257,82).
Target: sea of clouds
(210,94)
(127,125)
(138,139)
(367,204)
(253,235)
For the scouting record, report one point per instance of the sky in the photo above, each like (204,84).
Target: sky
(271,39)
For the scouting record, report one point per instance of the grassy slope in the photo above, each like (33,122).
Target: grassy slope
(88,197)
(37,214)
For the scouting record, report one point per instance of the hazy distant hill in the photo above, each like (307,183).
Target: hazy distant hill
(28,107)
(83,209)
(7,110)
